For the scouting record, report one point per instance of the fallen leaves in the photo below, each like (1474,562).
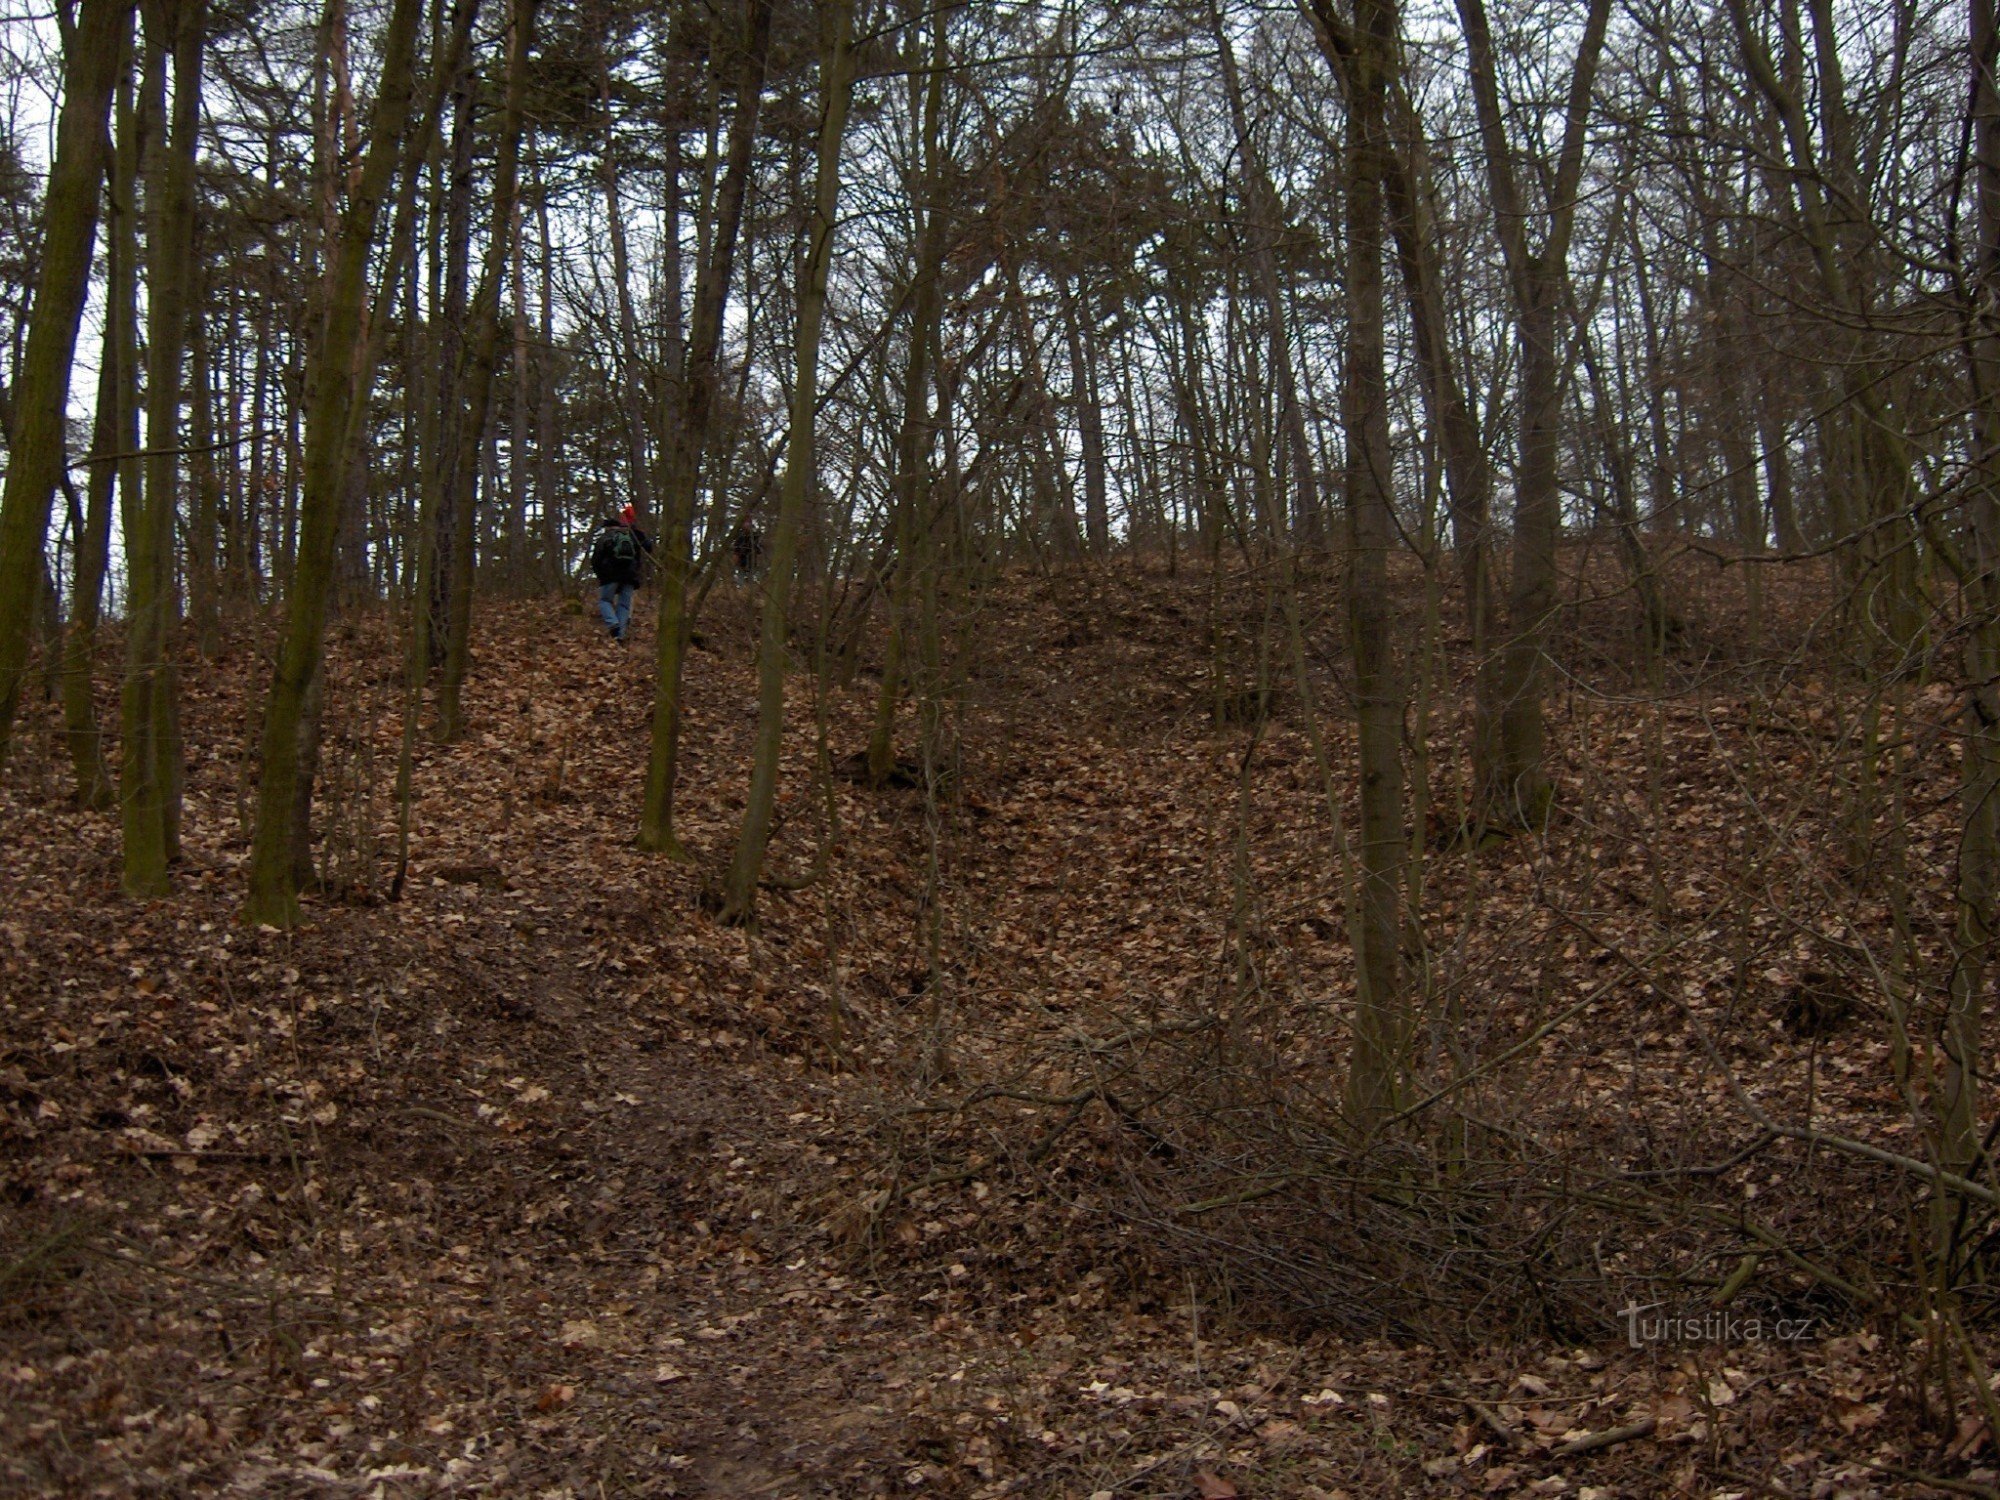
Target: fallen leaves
(288,1126)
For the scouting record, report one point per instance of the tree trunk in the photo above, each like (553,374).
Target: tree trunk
(94,787)
(908,524)
(547,438)
(687,427)
(1374,1085)
(273,894)
(1089,418)
(1824,186)
(205,523)
(1265,216)
(477,382)
(637,397)
(1979,775)
(517,422)
(445,443)
(149,775)
(41,392)
(801,466)
(1468,471)
(1538,277)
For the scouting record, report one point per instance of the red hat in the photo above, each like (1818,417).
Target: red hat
(628,516)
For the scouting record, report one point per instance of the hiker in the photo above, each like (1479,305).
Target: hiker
(748,546)
(618,550)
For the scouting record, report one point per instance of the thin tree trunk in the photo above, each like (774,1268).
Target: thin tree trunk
(445,442)
(547,438)
(205,522)
(913,443)
(688,426)
(1090,419)
(1265,216)
(94,788)
(517,424)
(1979,775)
(636,396)
(801,466)
(1468,471)
(477,383)
(1824,184)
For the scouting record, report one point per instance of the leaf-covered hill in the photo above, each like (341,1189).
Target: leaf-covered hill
(1003,1155)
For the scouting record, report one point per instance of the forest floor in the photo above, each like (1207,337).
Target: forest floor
(539,1182)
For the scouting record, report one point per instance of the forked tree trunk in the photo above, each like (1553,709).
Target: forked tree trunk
(1538,277)
(482,353)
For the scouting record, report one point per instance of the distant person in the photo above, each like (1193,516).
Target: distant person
(748,546)
(618,551)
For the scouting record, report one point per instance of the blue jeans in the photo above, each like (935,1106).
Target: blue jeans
(614,603)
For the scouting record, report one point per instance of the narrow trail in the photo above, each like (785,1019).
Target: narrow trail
(682,1324)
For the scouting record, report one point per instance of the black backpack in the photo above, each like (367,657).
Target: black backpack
(614,556)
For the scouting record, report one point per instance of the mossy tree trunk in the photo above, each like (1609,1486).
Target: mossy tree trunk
(149,772)
(94,786)
(335,388)
(92,58)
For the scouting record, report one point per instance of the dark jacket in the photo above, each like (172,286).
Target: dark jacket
(610,568)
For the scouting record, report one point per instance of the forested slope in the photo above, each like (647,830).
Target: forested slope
(1002,1155)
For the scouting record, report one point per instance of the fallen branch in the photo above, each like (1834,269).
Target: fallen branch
(1611,1437)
